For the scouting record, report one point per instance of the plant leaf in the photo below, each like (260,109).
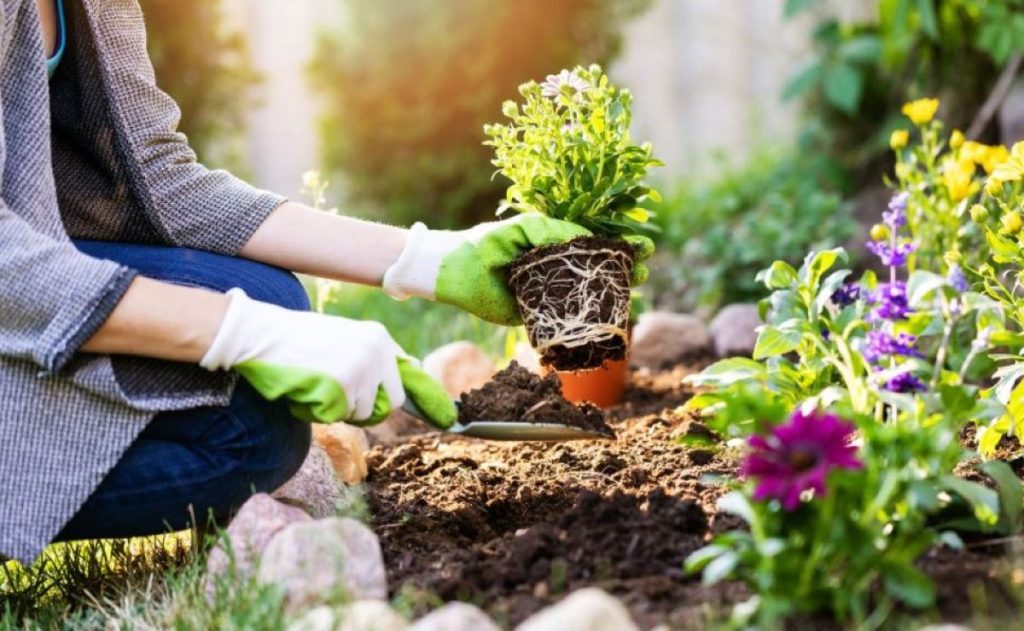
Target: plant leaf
(772,342)
(844,86)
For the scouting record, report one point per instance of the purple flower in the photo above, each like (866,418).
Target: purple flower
(896,216)
(956,278)
(905,382)
(891,256)
(890,300)
(846,295)
(798,457)
(881,344)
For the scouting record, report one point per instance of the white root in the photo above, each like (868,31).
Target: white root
(588,276)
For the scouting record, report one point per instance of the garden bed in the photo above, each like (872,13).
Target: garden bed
(514,527)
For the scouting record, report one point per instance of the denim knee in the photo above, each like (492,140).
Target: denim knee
(279,443)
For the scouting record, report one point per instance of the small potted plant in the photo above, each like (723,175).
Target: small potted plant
(569,155)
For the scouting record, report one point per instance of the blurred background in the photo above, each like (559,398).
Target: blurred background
(772,116)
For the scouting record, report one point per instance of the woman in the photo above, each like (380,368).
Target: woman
(136,285)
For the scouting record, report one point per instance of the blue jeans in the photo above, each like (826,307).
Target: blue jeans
(206,461)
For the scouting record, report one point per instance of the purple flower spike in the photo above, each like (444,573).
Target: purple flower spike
(896,216)
(956,278)
(905,382)
(890,300)
(881,344)
(846,295)
(891,256)
(798,456)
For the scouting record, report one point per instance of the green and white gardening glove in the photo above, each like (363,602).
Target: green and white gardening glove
(467,268)
(330,369)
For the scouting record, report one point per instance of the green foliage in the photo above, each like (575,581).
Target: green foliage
(832,553)
(569,155)
(206,68)
(408,86)
(722,233)
(861,72)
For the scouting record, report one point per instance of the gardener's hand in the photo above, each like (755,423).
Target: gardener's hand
(331,369)
(467,268)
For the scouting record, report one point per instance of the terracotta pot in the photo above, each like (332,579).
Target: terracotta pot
(602,386)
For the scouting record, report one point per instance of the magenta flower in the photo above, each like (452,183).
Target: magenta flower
(798,457)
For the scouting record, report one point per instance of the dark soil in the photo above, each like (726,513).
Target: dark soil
(553,294)
(515,527)
(516,394)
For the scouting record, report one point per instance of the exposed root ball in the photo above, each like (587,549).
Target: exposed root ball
(574,299)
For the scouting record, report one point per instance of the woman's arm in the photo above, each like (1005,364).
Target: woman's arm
(309,241)
(149,321)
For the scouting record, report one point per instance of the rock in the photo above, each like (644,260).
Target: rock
(318,619)
(460,367)
(734,330)
(345,447)
(455,616)
(316,562)
(662,339)
(256,523)
(362,615)
(396,429)
(525,356)
(1011,116)
(588,609)
(315,488)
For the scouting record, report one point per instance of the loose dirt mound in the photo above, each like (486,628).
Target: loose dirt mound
(516,394)
(514,527)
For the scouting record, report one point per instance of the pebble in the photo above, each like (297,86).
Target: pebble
(588,609)
(734,330)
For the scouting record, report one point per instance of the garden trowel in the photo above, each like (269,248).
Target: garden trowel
(512,430)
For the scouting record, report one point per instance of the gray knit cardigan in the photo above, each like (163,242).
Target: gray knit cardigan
(93,154)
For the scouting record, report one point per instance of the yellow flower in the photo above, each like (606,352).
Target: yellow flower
(979,213)
(899,139)
(1012,223)
(879,232)
(993,187)
(958,176)
(1011,169)
(921,111)
(994,156)
(956,140)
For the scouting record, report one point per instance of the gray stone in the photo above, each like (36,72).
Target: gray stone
(256,523)
(315,488)
(734,330)
(455,616)
(321,561)
(662,339)
(589,609)
(362,615)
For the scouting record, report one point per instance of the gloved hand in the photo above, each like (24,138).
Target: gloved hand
(467,268)
(331,369)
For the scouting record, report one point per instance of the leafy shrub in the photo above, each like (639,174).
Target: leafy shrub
(722,233)
(569,155)
(861,72)
(408,86)
(206,68)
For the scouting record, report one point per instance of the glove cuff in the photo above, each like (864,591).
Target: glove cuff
(224,353)
(417,268)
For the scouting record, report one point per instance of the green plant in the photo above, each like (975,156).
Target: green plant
(407,87)
(212,82)
(779,206)
(862,71)
(830,521)
(569,155)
